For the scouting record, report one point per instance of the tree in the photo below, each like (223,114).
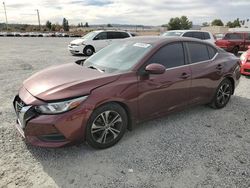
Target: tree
(179,23)
(53,27)
(205,24)
(217,22)
(48,25)
(65,24)
(235,23)
(185,23)
(109,25)
(86,24)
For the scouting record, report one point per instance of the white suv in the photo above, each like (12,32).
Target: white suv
(95,41)
(203,35)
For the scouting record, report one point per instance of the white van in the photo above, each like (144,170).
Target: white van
(95,41)
(203,35)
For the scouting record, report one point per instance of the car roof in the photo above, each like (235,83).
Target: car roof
(239,32)
(158,40)
(99,31)
(187,31)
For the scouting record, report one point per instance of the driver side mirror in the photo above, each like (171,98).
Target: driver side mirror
(155,68)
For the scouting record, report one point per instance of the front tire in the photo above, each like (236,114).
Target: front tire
(223,94)
(106,126)
(88,50)
(235,50)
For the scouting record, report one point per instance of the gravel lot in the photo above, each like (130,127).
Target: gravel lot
(199,147)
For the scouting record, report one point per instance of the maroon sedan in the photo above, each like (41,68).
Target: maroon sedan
(127,82)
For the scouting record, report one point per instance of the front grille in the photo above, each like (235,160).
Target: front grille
(52,138)
(24,112)
(18,104)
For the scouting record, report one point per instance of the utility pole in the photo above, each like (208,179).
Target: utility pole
(38,16)
(5,16)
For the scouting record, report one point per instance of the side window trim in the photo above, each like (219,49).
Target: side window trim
(184,54)
(189,56)
(212,58)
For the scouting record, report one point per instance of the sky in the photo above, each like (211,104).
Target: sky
(145,12)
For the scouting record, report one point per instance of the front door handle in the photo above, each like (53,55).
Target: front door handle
(184,75)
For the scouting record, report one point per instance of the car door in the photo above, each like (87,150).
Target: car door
(100,41)
(160,94)
(206,72)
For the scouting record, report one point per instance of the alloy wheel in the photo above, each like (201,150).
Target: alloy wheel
(106,127)
(224,94)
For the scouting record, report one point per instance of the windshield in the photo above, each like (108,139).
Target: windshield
(119,56)
(89,35)
(172,33)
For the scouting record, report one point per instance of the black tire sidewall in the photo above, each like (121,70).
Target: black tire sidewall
(235,51)
(88,48)
(111,106)
(215,101)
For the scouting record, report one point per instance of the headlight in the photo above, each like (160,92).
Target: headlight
(59,107)
(83,44)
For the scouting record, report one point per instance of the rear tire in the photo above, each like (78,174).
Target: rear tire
(222,95)
(106,126)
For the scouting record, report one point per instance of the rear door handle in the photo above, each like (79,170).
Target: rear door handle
(184,75)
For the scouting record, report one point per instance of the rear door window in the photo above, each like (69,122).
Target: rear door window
(124,35)
(211,51)
(198,35)
(198,52)
(233,36)
(117,35)
(206,36)
(113,35)
(171,55)
(188,34)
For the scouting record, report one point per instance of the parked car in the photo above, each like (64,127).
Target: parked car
(17,34)
(24,34)
(3,34)
(202,35)
(95,41)
(234,42)
(10,34)
(219,36)
(129,81)
(245,62)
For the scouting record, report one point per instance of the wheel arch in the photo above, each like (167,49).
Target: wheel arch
(127,110)
(232,81)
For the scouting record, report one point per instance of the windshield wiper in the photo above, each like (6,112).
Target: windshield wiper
(93,67)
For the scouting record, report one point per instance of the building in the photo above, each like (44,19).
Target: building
(216,29)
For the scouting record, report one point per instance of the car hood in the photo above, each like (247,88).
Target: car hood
(77,41)
(66,81)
